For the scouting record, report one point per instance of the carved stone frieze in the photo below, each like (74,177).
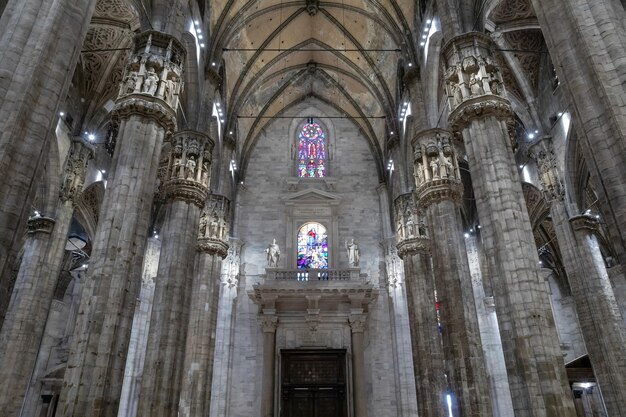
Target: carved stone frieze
(436,167)
(215,226)
(185,168)
(542,152)
(40,224)
(470,69)
(154,75)
(411,230)
(75,170)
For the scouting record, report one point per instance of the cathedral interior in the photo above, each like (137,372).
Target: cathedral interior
(313,208)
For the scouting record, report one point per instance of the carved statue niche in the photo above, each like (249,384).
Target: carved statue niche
(455,94)
(432,152)
(150,82)
(476,85)
(177,165)
(418,166)
(470,65)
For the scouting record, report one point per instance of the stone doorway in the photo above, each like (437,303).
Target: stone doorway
(313,383)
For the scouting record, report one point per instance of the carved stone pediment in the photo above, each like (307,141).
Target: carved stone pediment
(312,195)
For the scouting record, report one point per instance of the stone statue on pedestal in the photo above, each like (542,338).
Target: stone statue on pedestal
(273,254)
(353,253)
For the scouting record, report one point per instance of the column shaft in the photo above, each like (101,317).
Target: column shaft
(441,196)
(358,374)
(530,343)
(587,47)
(163,369)
(599,316)
(95,375)
(200,346)
(269,323)
(414,249)
(35,74)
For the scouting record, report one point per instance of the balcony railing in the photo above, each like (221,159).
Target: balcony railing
(352,274)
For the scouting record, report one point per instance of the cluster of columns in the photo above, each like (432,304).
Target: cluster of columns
(36,281)
(599,315)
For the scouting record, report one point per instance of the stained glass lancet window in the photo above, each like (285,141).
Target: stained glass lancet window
(312,246)
(311,150)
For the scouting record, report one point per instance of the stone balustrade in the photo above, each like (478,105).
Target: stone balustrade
(350,274)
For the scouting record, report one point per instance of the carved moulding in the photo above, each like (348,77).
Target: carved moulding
(147,107)
(585,222)
(480,108)
(40,224)
(438,190)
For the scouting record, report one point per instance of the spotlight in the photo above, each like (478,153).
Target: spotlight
(91,136)
(61,114)
(422,43)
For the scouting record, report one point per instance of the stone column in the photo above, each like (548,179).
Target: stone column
(414,248)
(599,315)
(225,330)
(145,111)
(480,116)
(441,196)
(200,346)
(138,344)
(357,325)
(185,165)
(23,331)
(35,73)
(587,43)
(269,322)
(400,328)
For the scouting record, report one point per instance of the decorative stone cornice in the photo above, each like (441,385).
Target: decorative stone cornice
(185,167)
(357,322)
(413,246)
(542,152)
(585,223)
(145,107)
(75,170)
(214,226)
(480,108)
(179,189)
(40,224)
(269,323)
(439,190)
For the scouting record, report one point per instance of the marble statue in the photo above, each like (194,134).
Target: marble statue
(273,254)
(353,253)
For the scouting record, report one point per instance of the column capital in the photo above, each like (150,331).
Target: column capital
(473,79)
(153,79)
(411,230)
(40,224)
(542,151)
(215,226)
(75,170)
(185,167)
(436,167)
(357,322)
(585,223)
(269,323)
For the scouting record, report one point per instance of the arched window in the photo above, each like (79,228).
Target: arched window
(311,150)
(312,246)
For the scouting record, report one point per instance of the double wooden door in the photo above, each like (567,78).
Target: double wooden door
(313,383)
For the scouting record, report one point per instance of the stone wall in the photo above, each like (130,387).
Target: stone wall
(263,217)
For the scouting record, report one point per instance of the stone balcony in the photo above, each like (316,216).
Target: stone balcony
(351,274)
(312,289)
